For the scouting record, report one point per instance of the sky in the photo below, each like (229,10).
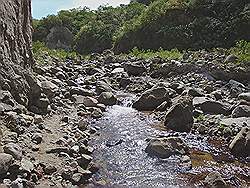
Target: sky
(42,8)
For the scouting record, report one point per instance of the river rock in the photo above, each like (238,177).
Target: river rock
(151,99)
(165,147)
(49,88)
(240,146)
(107,98)
(241,111)
(14,150)
(81,91)
(179,118)
(102,86)
(208,105)
(244,96)
(135,69)
(214,180)
(5,162)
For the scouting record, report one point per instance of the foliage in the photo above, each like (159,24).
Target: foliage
(242,51)
(43,55)
(93,30)
(164,54)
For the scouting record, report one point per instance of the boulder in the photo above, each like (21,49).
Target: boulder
(135,69)
(240,146)
(107,98)
(151,99)
(49,88)
(179,118)
(244,96)
(102,86)
(214,180)
(241,111)
(211,106)
(165,147)
(5,162)
(86,101)
(60,38)
(14,150)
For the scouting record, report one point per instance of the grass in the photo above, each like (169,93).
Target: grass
(149,54)
(242,51)
(44,55)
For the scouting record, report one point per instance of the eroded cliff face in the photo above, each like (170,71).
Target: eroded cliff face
(15,51)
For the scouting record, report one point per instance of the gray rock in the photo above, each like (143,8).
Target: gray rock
(239,122)
(27,165)
(107,98)
(49,88)
(84,160)
(135,69)
(231,59)
(244,96)
(60,38)
(50,169)
(86,101)
(241,111)
(102,86)
(81,91)
(165,147)
(208,105)
(214,180)
(151,99)
(5,162)
(14,150)
(179,118)
(240,146)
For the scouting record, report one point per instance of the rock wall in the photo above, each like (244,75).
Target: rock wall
(15,50)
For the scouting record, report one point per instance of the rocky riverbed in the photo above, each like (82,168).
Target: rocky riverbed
(112,121)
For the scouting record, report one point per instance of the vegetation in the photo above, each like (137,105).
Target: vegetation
(42,54)
(242,51)
(164,54)
(149,25)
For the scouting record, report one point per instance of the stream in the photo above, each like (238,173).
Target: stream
(119,150)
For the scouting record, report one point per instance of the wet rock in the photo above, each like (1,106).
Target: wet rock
(14,150)
(241,111)
(111,143)
(124,82)
(165,147)
(82,125)
(240,146)
(107,98)
(208,105)
(151,99)
(244,96)
(179,118)
(102,86)
(5,162)
(214,180)
(135,69)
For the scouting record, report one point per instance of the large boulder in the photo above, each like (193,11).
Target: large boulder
(240,146)
(214,180)
(5,162)
(151,99)
(15,51)
(107,98)
(211,106)
(241,111)
(179,118)
(135,69)
(165,147)
(244,96)
(60,38)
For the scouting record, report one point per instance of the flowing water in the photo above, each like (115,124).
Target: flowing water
(120,151)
